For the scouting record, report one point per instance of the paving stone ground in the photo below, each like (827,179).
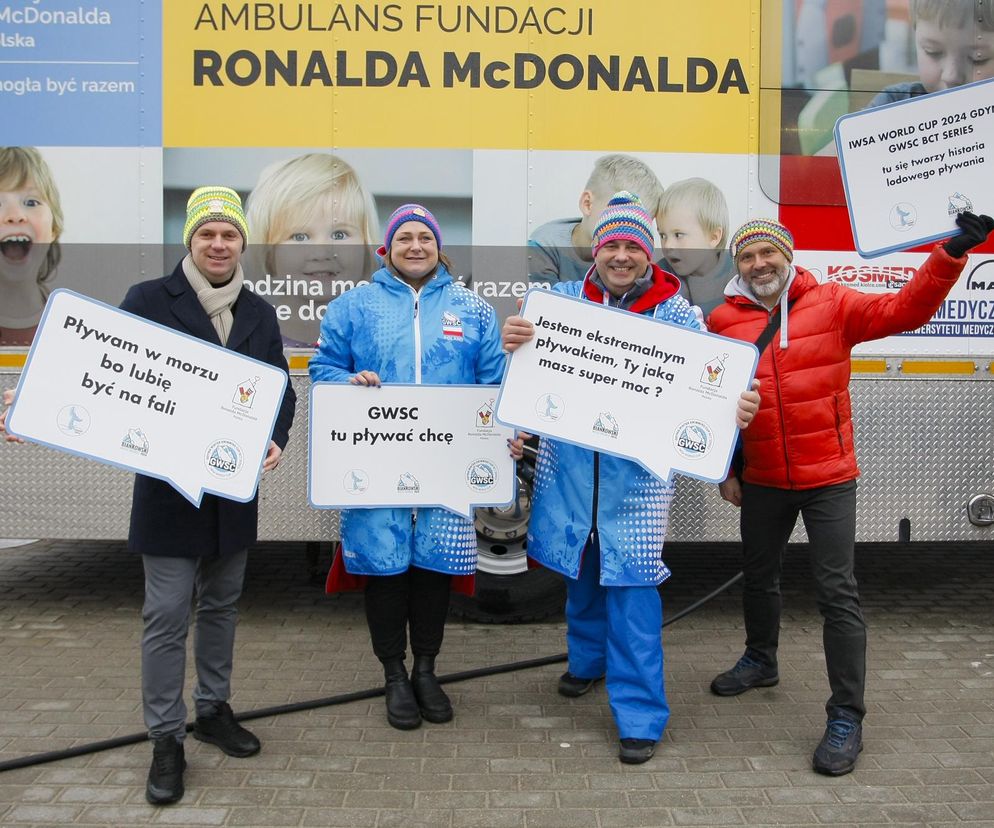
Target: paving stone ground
(517,754)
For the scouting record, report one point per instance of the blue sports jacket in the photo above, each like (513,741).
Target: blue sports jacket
(442,335)
(578,491)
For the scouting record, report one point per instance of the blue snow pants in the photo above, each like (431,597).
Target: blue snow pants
(616,632)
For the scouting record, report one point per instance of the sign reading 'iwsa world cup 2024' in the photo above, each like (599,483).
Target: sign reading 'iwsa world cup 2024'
(408,445)
(910,167)
(660,394)
(107,385)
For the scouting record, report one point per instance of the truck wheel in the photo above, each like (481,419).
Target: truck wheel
(507,591)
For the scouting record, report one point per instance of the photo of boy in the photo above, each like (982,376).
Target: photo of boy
(30,225)
(312,225)
(954,45)
(692,220)
(560,250)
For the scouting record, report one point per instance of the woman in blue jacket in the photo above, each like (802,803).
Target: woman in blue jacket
(411,324)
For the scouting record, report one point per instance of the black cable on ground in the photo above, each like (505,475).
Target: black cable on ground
(329,701)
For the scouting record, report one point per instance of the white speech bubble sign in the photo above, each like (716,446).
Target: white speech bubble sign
(910,167)
(408,445)
(660,394)
(110,386)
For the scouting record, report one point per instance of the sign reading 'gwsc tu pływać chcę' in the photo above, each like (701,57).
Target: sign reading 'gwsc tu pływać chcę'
(408,446)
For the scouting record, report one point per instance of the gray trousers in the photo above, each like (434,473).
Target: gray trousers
(173,587)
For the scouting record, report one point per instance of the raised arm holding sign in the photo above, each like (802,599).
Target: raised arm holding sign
(911,167)
(799,454)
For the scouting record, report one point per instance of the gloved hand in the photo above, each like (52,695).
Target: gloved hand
(975,231)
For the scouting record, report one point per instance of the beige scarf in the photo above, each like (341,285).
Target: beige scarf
(217,301)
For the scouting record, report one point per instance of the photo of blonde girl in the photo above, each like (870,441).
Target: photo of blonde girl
(312,226)
(30,226)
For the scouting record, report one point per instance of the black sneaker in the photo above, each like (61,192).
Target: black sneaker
(221,729)
(746,674)
(839,748)
(636,751)
(573,687)
(165,774)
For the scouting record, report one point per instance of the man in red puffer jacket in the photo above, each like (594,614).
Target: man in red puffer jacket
(798,453)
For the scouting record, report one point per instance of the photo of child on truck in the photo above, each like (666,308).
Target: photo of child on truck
(30,226)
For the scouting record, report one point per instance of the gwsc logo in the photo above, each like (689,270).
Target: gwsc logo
(693,439)
(481,475)
(223,458)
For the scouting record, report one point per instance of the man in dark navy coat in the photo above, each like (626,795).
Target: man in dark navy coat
(196,557)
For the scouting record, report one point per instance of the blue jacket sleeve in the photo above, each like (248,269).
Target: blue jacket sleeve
(491,358)
(333,360)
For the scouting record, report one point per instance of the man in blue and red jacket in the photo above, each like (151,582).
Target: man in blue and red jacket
(601,520)
(798,452)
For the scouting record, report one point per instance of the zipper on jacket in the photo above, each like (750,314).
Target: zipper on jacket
(838,424)
(417,336)
(783,425)
(593,504)
(417,375)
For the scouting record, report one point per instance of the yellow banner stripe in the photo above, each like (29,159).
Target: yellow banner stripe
(938,367)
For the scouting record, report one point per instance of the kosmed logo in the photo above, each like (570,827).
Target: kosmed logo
(136,441)
(693,439)
(223,458)
(606,424)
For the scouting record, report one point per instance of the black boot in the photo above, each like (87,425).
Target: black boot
(402,706)
(435,705)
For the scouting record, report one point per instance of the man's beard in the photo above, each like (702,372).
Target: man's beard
(771,288)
